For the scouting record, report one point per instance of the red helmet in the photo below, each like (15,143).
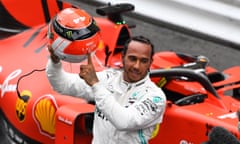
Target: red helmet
(72,34)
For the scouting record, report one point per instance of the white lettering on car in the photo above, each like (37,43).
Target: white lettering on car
(232,115)
(5,86)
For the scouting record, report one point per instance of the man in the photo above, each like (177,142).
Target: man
(129,105)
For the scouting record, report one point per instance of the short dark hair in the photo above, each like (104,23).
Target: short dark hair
(139,39)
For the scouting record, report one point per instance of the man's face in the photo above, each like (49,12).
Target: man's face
(136,61)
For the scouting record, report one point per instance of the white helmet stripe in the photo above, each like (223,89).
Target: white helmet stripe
(60,43)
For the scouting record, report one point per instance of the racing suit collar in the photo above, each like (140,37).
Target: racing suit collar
(138,83)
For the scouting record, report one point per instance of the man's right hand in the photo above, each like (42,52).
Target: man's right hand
(54,57)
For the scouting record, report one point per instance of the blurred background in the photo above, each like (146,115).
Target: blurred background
(206,27)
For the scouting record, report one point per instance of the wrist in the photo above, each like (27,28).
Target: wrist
(93,83)
(55,60)
(96,86)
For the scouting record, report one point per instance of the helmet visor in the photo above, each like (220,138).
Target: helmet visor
(73,34)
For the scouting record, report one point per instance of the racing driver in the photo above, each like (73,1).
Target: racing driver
(129,106)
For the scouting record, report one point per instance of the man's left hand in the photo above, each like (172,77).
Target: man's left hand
(88,73)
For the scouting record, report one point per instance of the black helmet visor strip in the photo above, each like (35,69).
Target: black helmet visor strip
(72,34)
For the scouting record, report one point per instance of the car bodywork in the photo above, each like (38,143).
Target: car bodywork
(199,96)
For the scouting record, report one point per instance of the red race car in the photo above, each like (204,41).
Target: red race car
(199,97)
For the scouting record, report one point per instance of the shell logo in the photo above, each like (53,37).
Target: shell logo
(44,114)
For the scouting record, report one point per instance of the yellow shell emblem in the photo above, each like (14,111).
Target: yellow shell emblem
(45,115)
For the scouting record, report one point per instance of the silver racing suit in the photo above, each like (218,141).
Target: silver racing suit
(126,113)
